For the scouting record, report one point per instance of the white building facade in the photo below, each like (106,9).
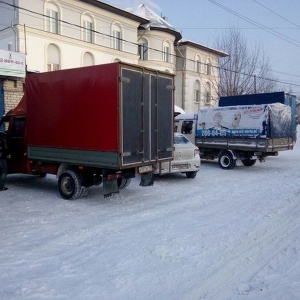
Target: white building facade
(197,76)
(62,34)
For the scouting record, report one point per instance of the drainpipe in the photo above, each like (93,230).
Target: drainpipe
(13,23)
(146,28)
(183,79)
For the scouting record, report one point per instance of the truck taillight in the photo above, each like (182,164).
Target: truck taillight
(197,152)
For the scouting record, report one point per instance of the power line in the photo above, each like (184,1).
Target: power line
(136,44)
(258,77)
(284,73)
(261,26)
(289,21)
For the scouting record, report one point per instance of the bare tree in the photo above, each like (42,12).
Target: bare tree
(243,71)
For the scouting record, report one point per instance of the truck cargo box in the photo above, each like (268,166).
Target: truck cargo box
(246,127)
(264,98)
(245,121)
(114,115)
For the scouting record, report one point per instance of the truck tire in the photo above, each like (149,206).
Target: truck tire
(226,160)
(69,185)
(248,162)
(191,174)
(123,182)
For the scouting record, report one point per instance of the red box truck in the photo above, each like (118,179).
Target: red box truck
(90,125)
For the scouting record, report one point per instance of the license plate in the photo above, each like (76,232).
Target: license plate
(145,169)
(181,167)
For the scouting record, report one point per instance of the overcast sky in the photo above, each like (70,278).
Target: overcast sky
(272,24)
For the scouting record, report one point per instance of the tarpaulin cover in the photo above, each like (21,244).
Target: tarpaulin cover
(245,121)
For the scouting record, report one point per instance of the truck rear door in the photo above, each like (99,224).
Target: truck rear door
(147,116)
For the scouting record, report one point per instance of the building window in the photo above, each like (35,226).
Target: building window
(88,59)
(52,19)
(116,33)
(166,52)
(87,28)
(208,67)
(88,31)
(207,93)
(143,50)
(52,67)
(53,58)
(117,40)
(197,91)
(198,64)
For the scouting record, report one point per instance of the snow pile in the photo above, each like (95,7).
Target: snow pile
(223,235)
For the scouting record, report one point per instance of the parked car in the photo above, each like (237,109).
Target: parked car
(186,158)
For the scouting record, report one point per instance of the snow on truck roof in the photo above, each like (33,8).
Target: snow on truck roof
(186,116)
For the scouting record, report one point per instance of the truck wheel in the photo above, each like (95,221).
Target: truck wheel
(248,162)
(226,160)
(69,185)
(123,182)
(191,174)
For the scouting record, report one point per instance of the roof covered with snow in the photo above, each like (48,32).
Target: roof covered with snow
(156,22)
(201,47)
(115,10)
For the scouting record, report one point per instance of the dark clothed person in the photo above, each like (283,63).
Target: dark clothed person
(3,161)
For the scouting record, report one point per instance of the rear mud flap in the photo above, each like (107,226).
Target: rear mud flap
(110,187)
(146,179)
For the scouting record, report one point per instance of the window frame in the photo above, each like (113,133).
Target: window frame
(208,97)
(87,32)
(53,57)
(197,91)
(52,19)
(87,28)
(52,67)
(117,40)
(208,67)
(90,56)
(143,50)
(198,64)
(166,53)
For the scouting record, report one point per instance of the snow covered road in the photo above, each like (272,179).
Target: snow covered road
(223,235)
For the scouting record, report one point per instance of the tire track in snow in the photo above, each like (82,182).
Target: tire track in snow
(255,252)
